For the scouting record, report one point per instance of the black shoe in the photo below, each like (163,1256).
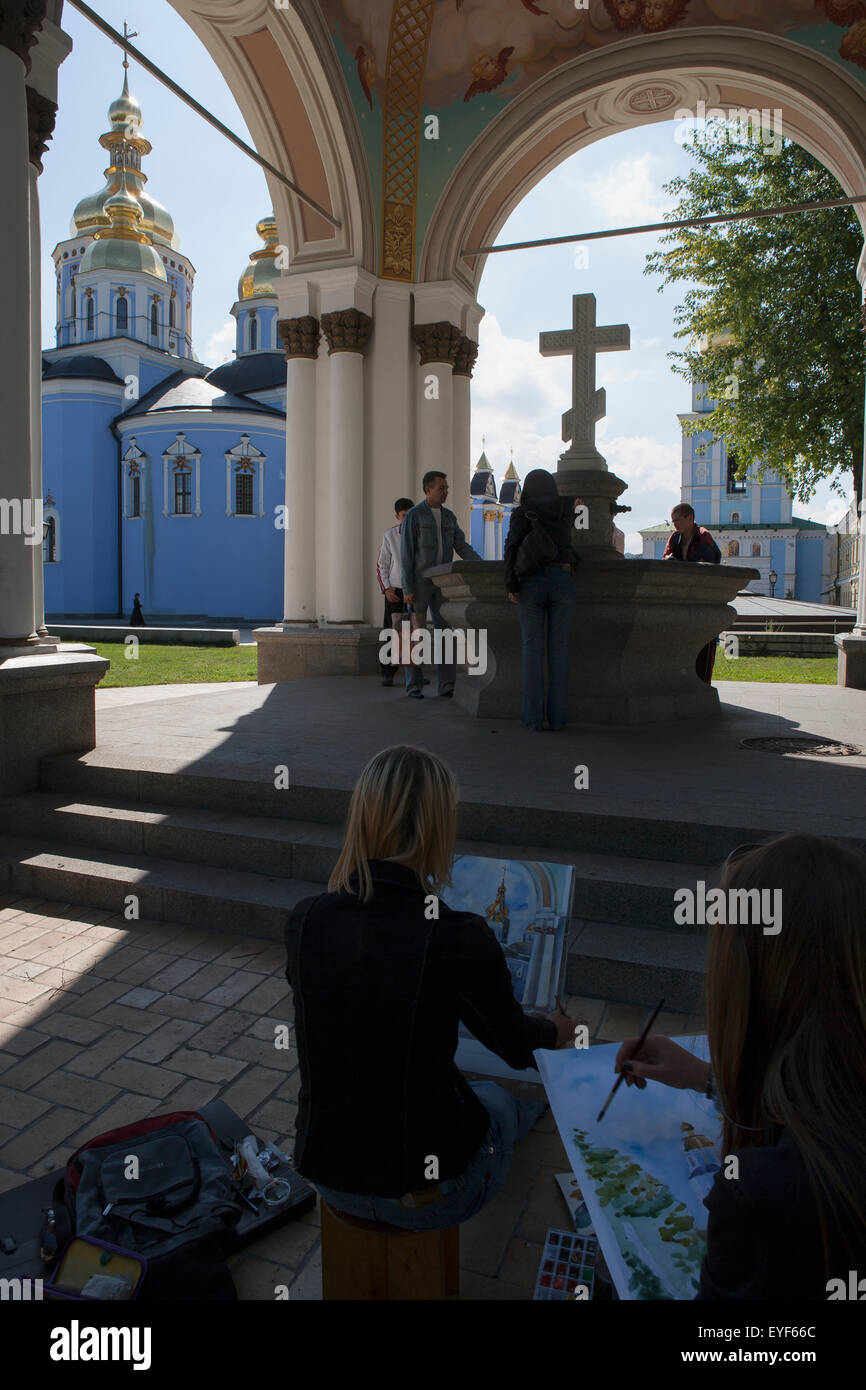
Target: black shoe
(446,694)
(415,694)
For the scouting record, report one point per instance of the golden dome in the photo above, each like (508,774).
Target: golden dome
(123,245)
(260,278)
(125,112)
(126,146)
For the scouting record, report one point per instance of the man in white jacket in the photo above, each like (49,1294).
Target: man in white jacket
(390,572)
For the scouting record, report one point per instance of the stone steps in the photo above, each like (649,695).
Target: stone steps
(634,966)
(167,890)
(608,888)
(671,840)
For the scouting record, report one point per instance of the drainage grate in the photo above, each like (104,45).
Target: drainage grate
(801,745)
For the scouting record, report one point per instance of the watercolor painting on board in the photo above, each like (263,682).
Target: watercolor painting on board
(643,1171)
(527,906)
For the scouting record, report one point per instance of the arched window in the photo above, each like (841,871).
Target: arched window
(182,491)
(49,543)
(733,548)
(154,320)
(756,548)
(91,313)
(74,313)
(254,334)
(735,516)
(171,313)
(122,315)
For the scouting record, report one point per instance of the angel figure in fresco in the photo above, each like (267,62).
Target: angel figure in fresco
(843,11)
(626,14)
(366,72)
(488,73)
(662,14)
(854,44)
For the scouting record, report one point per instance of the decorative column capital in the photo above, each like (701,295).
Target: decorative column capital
(347,330)
(19,21)
(300,336)
(41,115)
(437,342)
(467,355)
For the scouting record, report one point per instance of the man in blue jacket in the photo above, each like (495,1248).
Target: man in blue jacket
(430,536)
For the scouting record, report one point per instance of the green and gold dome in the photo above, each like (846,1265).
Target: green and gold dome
(126,146)
(260,279)
(123,244)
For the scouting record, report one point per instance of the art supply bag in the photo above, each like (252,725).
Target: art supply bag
(160,1187)
(536,550)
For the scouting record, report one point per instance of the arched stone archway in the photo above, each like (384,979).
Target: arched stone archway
(638,83)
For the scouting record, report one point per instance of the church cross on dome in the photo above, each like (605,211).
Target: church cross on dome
(128,34)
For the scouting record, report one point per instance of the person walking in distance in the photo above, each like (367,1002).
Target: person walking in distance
(695,544)
(390,574)
(430,536)
(137,619)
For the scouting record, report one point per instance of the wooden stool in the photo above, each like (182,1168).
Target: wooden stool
(372,1261)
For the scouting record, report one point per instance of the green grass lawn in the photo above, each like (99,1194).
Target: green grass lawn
(790,670)
(158,665)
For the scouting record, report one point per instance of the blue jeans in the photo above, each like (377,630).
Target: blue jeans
(447,672)
(551,593)
(464,1196)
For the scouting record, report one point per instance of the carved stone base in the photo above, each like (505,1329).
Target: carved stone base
(638,628)
(851,669)
(47,707)
(598,490)
(302,653)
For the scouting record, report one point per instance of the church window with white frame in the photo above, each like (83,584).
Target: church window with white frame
(122,313)
(245,480)
(133,479)
(181,464)
(51,532)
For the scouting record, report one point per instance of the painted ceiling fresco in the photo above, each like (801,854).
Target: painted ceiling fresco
(465,60)
(478,46)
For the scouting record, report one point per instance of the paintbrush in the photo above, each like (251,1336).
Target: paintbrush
(640,1042)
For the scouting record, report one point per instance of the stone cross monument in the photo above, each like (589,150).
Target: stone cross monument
(582,472)
(582,342)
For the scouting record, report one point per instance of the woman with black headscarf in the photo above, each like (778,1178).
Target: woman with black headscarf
(539,561)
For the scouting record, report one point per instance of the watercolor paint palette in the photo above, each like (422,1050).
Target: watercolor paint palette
(568,1259)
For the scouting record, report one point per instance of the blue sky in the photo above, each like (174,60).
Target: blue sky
(216,195)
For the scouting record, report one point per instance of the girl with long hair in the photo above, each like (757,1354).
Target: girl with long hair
(383,971)
(786,1016)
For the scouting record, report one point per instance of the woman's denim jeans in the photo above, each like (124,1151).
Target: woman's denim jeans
(510,1120)
(549,593)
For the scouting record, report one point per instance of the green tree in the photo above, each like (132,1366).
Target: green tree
(782,295)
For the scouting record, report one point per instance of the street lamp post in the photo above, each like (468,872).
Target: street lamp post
(773,578)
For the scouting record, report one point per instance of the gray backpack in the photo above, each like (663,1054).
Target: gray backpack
(151,1187)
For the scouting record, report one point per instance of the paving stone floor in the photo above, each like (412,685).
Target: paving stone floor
(104,1021)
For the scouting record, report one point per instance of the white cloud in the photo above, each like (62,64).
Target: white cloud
(625,195)
(221,344)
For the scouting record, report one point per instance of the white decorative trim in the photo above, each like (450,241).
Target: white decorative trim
(181,449)
(245,451)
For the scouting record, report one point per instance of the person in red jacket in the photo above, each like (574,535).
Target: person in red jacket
(692,542)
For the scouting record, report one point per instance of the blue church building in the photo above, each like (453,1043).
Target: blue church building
(162,476)
(490,509)
(752,522)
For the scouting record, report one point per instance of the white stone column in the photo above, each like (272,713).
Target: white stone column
(390,380)
(438,345)
(348,333)
(17,588)
(301,339)
(462,424)
(36,393)
(852,645)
